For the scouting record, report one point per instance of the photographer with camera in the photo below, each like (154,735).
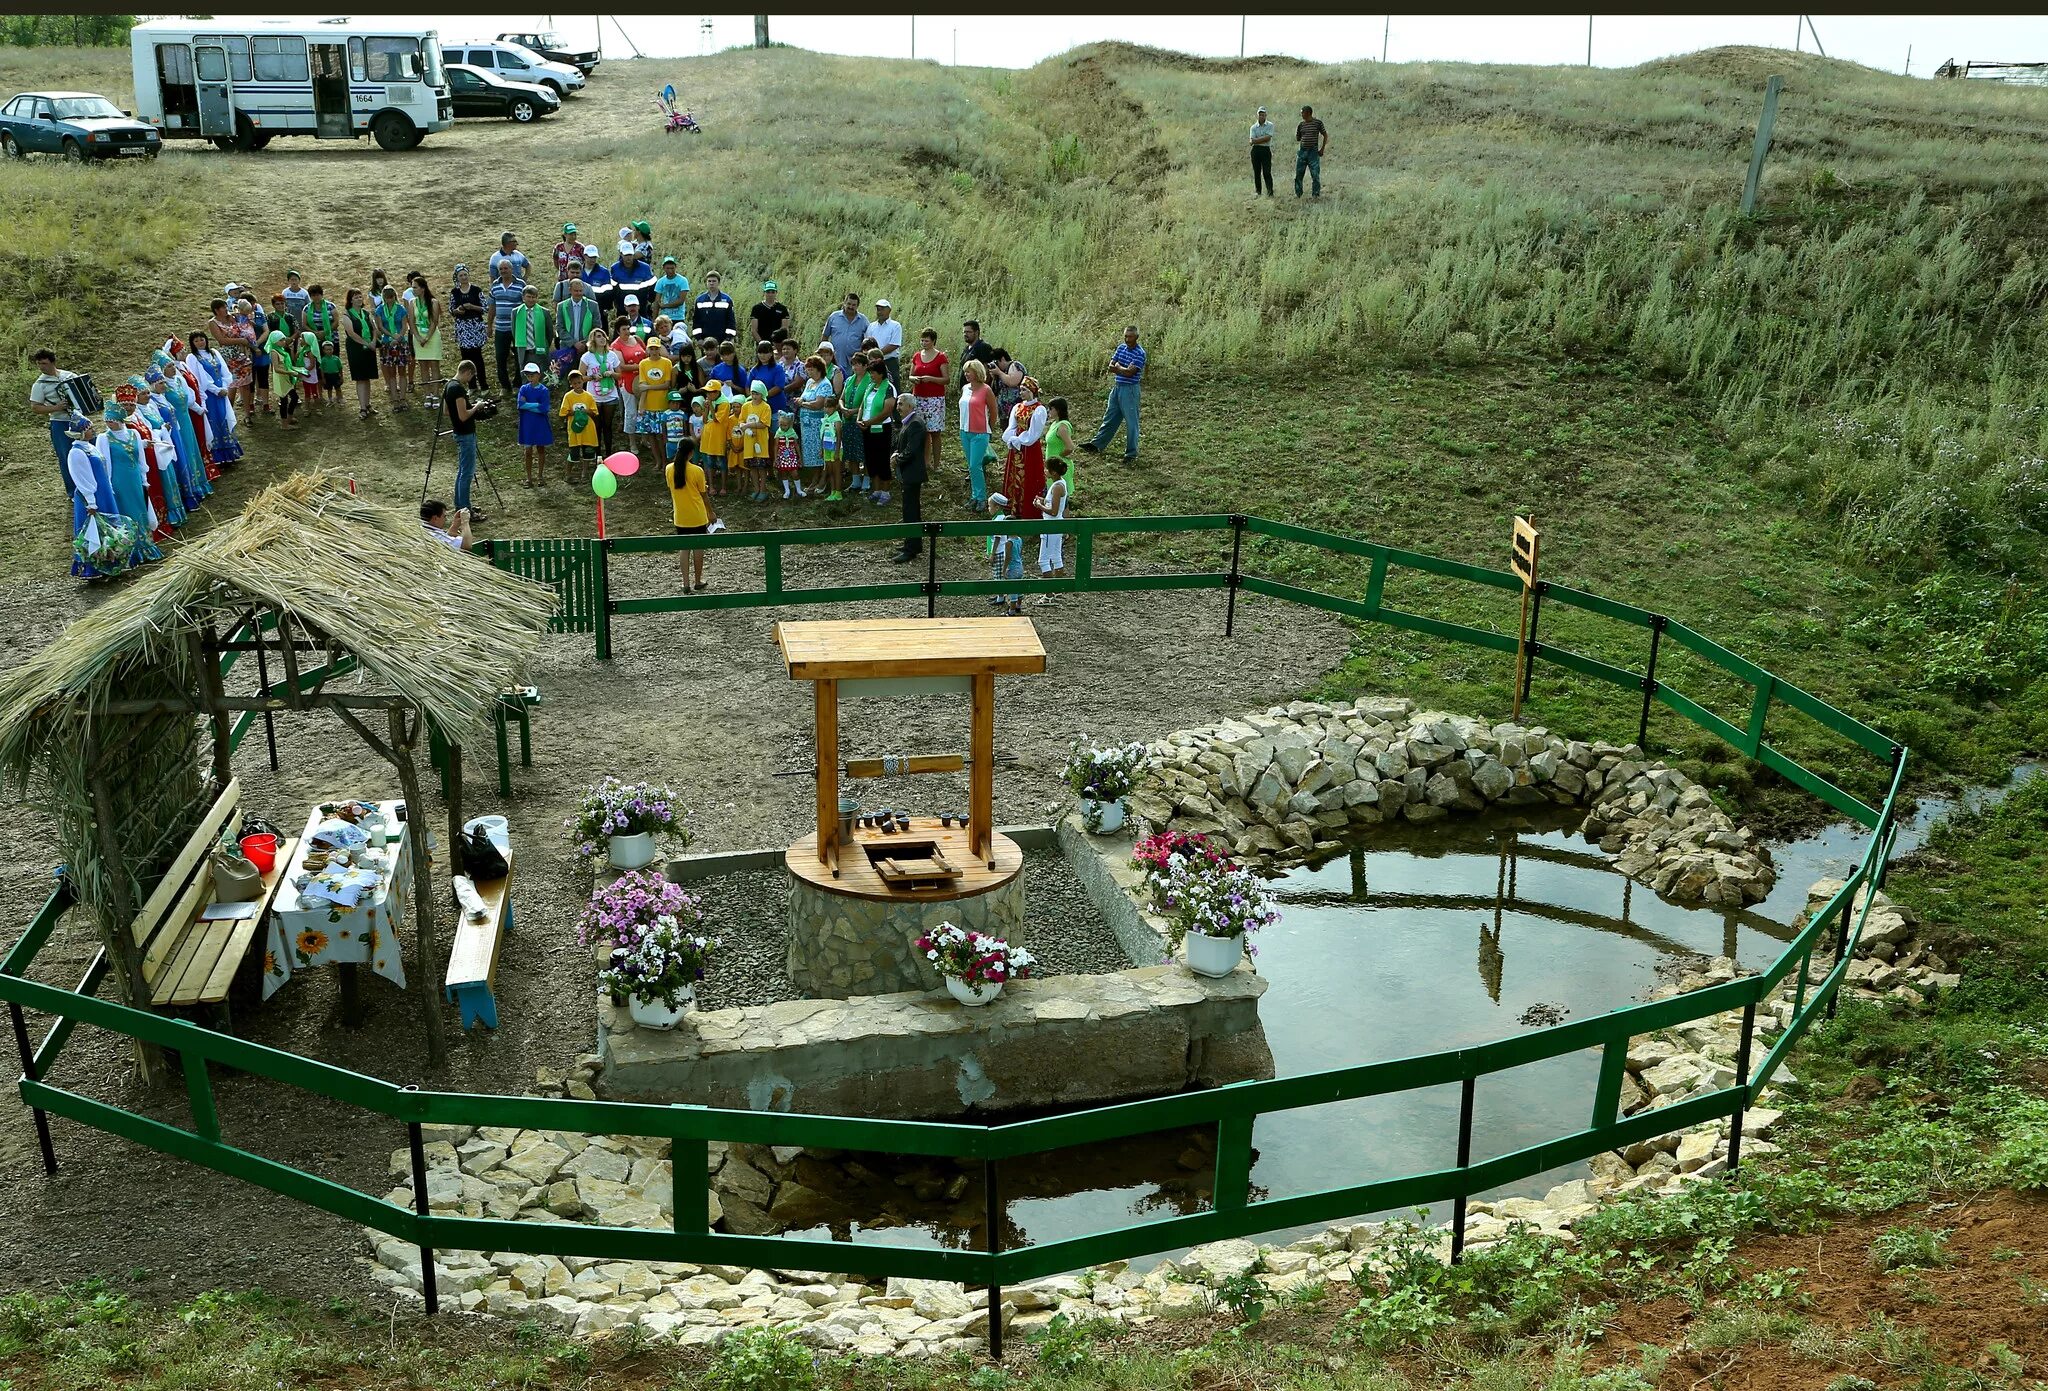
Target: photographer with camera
(464,410)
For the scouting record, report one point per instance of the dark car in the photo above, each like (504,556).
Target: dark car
(76,125)
(549,45)
(479,93)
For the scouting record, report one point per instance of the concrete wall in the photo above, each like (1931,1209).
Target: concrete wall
(1059,1041)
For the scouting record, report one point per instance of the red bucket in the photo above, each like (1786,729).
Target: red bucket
(262,852)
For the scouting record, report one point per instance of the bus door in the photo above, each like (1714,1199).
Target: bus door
(331,115)
(174,86)
(216,97)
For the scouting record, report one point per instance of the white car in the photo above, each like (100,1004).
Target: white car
(516,63)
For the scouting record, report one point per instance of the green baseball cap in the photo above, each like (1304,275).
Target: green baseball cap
(568,229)
(768,285)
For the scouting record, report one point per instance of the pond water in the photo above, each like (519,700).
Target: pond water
(1418,940)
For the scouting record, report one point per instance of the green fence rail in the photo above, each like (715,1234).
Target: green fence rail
(1232,1110)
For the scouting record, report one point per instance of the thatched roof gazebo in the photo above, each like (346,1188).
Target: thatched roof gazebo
(363,611)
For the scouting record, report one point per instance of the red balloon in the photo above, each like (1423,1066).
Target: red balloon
(625,463)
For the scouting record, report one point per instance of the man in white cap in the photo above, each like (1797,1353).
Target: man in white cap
(636,320)
(887,331)
(1262,154)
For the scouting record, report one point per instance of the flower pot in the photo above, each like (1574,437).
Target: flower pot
(630,852)
(973,995)
(1214,956)
(1102,818)
(653,1014)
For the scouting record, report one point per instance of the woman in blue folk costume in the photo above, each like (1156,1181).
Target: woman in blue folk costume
(216,383)
(191,420)
(152,422)
(176,421)
(120,449)
(93,522)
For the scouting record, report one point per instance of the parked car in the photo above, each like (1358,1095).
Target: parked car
(549,45)
(76,125)
(480,93)
(510,60)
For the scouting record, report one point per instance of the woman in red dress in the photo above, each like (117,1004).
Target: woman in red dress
(1024,465)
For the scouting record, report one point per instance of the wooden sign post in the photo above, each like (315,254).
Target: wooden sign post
(1528,542)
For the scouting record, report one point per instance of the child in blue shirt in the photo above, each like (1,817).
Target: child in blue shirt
(1006,558)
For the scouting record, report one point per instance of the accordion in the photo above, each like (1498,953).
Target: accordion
(85,398)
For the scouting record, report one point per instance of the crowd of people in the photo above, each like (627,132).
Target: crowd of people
(607,355)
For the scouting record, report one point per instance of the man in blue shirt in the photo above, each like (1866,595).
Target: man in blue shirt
(713,317)
(1126,371)
(671,291)
(598,282)
(295,298)
(846,328)
(508,292)
(508,250)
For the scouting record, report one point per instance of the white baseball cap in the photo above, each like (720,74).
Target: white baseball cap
(883,304)
(533,367)
(632,299)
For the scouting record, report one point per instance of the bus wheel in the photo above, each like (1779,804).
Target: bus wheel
(246,138)
(394,132)
(260,141)
(223,142)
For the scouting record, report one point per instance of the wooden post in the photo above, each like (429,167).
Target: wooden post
(208,663)
(826,698)
(424,950)
(119,934)
(981,772)
(1527,542)
(1764,123)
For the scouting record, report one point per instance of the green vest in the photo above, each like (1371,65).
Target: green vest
(530,327)
(576,320)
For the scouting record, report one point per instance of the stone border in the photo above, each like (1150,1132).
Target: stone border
(1293,782)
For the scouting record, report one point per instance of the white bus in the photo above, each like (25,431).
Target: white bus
(240,84)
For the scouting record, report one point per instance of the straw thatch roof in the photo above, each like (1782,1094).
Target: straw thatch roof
(444,630)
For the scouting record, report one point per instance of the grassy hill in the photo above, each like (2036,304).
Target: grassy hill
(1527,289)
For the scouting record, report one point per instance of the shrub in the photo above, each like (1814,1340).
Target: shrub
(762,1359)
(1910,1246)
(1244,1296)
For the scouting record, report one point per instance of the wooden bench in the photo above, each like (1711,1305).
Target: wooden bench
(473,956)
(187,961)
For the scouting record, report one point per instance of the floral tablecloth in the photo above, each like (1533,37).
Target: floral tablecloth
(313,932)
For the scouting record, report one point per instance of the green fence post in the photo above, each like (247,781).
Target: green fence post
(1237,521)
(28,1074)
(1650,682)
(1742,1083)
(993,1214)
(1233,1171)
(199,1092)
(1466,1091)
(931,569)
(603,572)
(421,1206)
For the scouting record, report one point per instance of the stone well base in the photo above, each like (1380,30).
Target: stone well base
(1060,1041)
(841,944)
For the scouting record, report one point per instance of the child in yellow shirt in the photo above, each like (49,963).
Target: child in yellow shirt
(757,435)
(579,408)
(711,443)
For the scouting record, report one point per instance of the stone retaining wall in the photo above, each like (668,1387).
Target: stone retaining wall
(841,945)
(1060,1041)
(1293,782)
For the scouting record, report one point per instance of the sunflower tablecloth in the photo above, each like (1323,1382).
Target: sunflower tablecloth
(314,932)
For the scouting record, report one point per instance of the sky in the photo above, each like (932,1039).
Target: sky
(1881,41)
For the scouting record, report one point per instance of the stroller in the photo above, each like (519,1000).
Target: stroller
(675,120)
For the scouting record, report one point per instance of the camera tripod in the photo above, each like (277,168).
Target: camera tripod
(483,465)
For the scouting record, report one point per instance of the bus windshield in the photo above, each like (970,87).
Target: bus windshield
(393,60)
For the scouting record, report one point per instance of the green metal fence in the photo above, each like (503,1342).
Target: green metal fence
(1231,1110)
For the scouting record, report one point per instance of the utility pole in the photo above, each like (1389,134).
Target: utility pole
(760,31)
(1242,20)
(913,38)
(1799,35)
(1589,41)
(1386,30)
(1909,60)
(956,48)
(1816,35)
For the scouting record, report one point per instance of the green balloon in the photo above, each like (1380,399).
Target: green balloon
(604,482)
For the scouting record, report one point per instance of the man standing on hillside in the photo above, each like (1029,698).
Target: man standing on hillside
(887,331)
(1311,139)
(846,328)
(713,316)
(1126,371)
(974,348)
(768,319)
(1262,154)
